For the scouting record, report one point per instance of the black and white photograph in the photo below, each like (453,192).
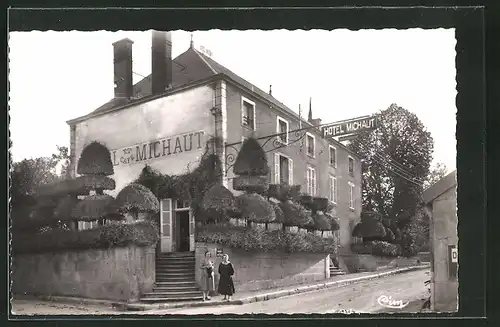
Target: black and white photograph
(175,172)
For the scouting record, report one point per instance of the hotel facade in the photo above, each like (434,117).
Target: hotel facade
(166,120)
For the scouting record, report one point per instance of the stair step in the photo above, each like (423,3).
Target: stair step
(175,267)
(165,294)
(175,274)
(175,279)
(175,289)
(175,284)
(172,299)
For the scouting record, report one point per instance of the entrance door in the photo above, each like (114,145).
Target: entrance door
(182,242)
(166,225)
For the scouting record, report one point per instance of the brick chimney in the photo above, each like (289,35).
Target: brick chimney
(122,60)
(161,61)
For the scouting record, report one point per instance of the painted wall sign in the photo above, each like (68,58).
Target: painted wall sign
(350,126)
(158,149)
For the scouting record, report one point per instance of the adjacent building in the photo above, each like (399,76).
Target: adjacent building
(166,120)
(441,200)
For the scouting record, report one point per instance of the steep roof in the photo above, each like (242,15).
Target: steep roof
(441,186)
(188,68)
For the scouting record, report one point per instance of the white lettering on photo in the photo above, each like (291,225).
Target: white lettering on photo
(388,302)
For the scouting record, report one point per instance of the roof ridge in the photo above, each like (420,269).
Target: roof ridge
(205,61)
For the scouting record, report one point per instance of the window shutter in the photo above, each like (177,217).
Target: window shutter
(276,168)
(314,182)
(290,171)
(335,189)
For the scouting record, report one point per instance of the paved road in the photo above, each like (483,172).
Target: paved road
(360,297)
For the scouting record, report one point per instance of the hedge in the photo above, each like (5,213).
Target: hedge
(142,233)
(250,239)
(93,207)
(378,248)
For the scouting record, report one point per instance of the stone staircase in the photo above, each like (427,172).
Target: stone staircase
(175,279)
(335,270)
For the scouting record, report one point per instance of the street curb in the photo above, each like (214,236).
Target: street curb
(69,299)
(265,296)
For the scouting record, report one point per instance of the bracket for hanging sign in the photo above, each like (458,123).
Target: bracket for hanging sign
(350,126)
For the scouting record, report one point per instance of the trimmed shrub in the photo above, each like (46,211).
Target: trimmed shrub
(321,222)
(369,229)
(306,201)
(93,207)
(255,208)
(251,160)
(389,235)
(334,222)
(295,214)
(142,233)
(274,191)
(95,160)
(320,204)
(280,217)
(218,198)
(251,184)
(93,182)
(136,198)
(294,192)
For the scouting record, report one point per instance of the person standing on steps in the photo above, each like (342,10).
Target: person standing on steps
(207,276)
(226,285)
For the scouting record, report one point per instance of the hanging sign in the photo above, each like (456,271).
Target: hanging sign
(350,126)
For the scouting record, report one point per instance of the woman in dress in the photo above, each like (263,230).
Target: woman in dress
(207,276)
(226,285)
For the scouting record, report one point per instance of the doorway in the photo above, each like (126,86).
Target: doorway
(182,239)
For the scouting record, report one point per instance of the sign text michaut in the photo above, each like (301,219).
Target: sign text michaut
(158,149)
(350,126)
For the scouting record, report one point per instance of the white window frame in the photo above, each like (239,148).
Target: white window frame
(330,147)
(333,193)
(277,170)
(311,182)
(278,131)
(313,155)
(351,195)
(84,225)
(353,162)
(243,100)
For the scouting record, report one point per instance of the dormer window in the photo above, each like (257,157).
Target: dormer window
(310,146)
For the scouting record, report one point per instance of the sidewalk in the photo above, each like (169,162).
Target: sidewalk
(69,305)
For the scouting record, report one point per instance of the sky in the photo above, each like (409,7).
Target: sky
(58,76)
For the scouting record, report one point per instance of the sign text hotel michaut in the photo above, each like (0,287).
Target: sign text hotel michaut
(157,149)
(350,126)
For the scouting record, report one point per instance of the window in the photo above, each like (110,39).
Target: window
(310,145)
(83,225)
(333,190)
(333,156)
(351,166)
(283,169)
(182,204)
(247,113)
(311,181)
(282,127)
(351,196)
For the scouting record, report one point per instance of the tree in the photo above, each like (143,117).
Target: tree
(396,162)
(437,172)
(28,174)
